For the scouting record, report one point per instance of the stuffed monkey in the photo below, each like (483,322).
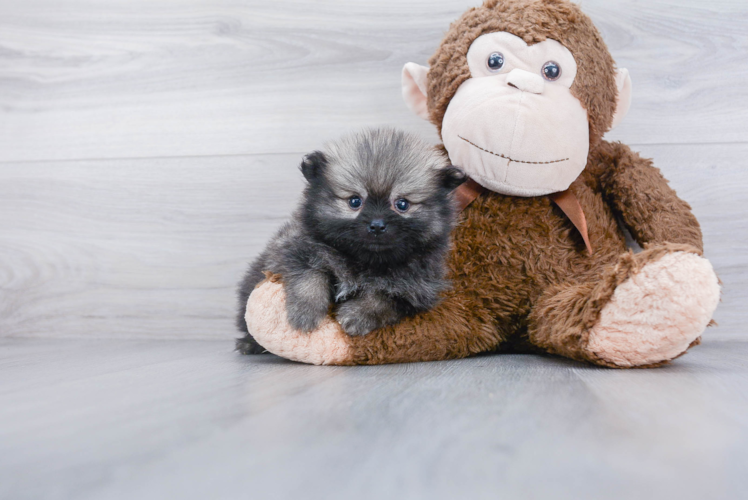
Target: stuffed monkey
(522,92)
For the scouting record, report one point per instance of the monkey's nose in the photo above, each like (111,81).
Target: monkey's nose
(377,226)
(525,81)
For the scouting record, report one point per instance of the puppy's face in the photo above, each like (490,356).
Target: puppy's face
(381,196)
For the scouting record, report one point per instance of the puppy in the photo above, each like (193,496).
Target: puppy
(369,239)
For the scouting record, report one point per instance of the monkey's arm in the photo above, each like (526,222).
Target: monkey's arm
(642,198)
(453,329)
(457,327)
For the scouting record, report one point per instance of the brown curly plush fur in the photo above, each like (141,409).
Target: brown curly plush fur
(522,279)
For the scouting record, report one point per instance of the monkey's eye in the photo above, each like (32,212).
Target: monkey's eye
(402,205)
(355,202)
(551,71)
(495,61)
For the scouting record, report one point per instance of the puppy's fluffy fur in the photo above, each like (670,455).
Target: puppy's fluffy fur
(370,237)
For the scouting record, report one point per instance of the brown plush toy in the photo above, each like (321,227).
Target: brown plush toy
(522,92)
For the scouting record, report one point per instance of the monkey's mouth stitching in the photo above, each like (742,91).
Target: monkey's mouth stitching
(510,159)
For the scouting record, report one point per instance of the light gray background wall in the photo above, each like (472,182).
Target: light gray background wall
(149,148)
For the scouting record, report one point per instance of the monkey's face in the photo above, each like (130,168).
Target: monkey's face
(519,118)
(514,125)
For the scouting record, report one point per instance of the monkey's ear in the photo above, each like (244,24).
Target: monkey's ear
(312,165)
(623,100)
(451,177)
(414,88)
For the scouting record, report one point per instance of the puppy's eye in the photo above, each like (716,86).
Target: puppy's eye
(402,205)
(551,71)
(495,61)
(355,202)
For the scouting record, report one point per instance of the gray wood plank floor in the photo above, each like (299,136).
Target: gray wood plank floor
(116,419)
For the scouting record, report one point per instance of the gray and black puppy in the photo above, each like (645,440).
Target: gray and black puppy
(370,237)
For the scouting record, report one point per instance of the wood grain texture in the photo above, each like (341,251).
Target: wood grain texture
(154,248)
(151,78)
(192,420)
(144,248)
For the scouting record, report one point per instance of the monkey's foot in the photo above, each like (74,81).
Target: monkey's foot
(656,314)
(267,320)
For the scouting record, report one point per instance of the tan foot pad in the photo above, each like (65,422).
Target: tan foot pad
(266,319)
(656,314)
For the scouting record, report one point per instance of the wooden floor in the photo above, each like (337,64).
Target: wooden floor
(192,420)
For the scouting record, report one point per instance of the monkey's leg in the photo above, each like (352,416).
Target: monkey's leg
(645,310)
(453,329)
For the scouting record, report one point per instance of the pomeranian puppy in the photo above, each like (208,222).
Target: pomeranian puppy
(369,239)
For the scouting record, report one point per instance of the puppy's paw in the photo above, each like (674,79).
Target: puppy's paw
(305,317)
(355,327)
(248,345)
(355,323)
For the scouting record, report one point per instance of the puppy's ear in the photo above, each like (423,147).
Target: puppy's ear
(451,177)
(313,164)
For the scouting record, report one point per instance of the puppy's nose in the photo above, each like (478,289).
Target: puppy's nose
(377,226)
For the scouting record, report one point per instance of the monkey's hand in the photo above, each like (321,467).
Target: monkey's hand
(268,321)
(308,300)
(361,315)
(449,330)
